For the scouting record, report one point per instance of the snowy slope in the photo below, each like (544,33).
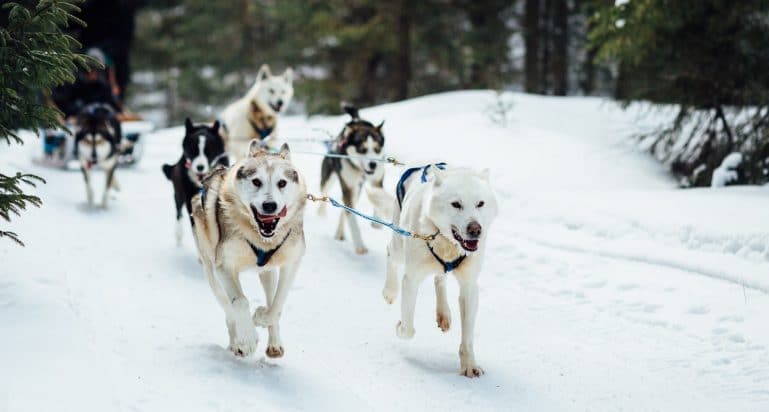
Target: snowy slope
(604,288)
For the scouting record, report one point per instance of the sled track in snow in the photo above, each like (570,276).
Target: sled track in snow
(665,261)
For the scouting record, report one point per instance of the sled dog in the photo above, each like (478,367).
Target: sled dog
(364,142)
(97,142)
(459,206)
(251,216)
(254,116)
(202,150)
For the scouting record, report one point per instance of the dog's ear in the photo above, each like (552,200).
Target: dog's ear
(264,72)
(379,128)
(215,127)
(484,174)
(256,148)
(288,75)
(285,152)
(437,175)
(188,125)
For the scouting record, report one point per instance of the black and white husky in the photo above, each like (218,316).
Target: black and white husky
(97,143)
(202,150)
(364,142)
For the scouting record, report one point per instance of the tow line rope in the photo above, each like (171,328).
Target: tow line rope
(397,229)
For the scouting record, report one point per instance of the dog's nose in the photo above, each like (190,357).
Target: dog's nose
(372,165)
(269,207)
(201,168)
(474,229)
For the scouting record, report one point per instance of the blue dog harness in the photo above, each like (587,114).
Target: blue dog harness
(262,132)
(263,256)
(400,192)
(447,266)
(400,189)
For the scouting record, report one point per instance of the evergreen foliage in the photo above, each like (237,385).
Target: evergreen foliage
(35,56)
(709,58)
(364,51)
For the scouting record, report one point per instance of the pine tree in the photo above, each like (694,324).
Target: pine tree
(35,56)
(709,58)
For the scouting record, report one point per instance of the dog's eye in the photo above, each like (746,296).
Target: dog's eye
(272,91)
(377,150)
(281,184)
(257,183)
(456,205)
(480,204)
(361,149)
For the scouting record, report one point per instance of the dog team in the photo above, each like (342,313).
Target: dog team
(246,203)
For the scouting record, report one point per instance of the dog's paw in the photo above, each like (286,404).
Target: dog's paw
(361,250)
(444,321)
(274,351)
(471,371)
(339,237)
(403,332)
(389,294)
(263,318)
(243,344)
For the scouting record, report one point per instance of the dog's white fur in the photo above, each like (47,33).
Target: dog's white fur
(427,208)
(267,92)
(226,224)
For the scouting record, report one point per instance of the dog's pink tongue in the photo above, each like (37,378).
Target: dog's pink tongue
(270,218)
(471,244)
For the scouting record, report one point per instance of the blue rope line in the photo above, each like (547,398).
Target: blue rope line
(396,229)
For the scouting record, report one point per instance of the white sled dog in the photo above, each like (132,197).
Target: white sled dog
(255,115)
(251,216)
(459,206)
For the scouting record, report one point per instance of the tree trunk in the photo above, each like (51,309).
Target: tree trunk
(531,39)
(560,30)
(404,50)
(546,25)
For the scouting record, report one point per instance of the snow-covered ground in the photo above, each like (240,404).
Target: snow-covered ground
(604,288)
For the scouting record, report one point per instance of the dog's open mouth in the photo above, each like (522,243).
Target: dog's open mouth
(200,176)
(268,223)
(276,107)
(468,245)
(369,172)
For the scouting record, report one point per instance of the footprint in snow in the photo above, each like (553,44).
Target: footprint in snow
(595,284)
(698,310)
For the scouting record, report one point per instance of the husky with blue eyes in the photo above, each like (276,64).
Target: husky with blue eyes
(363,142)
(252,216)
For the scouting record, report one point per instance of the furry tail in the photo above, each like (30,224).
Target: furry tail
(384,203)
(351,110)
(168,170)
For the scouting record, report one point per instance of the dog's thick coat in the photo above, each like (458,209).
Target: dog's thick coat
(459,205)
(255,115)
(363,141)
(202,150)
(251,216)
(97,142)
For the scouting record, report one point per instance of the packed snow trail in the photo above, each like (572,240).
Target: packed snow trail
(604,287)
